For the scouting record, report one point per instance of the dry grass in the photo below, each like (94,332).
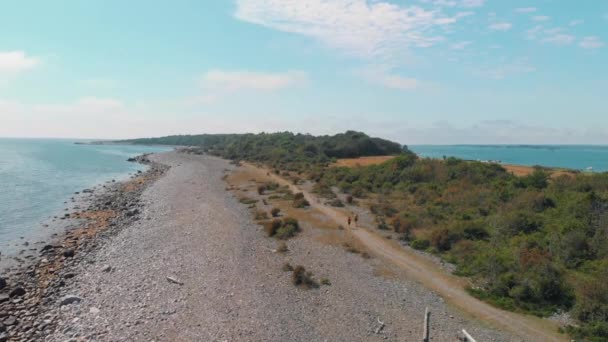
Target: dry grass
(521,171)
(362,161)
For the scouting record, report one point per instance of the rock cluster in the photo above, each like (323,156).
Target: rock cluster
(30,295)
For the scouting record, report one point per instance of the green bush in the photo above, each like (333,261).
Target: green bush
(420,244)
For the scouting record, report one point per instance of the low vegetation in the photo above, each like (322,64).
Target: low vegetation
(282,229)
(302,278)
(534,243)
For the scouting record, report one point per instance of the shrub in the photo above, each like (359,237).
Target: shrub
(325,281)
(420,244)
(261,215)
(248,201)
(300,203)
(282,247)
(261,189)
(302,278)
(336,203)
(349,199)
(287,267)
(271,227)
(349,248)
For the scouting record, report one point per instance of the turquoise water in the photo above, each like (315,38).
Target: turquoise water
(578,157)
(38,175)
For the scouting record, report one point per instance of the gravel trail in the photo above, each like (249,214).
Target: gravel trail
(196,267)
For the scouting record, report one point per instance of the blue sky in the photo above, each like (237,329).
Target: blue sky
(424,71)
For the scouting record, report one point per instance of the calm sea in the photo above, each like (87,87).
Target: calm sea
(578,157)
(38,175)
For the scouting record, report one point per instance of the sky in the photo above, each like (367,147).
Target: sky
(418,72)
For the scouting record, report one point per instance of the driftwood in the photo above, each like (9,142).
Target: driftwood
(427,314)
(467,337)
(380,327)
(174,281)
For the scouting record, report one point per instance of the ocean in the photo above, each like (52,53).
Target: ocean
(577,157)
(38,175)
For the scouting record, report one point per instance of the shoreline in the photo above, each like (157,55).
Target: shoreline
(183,259)
(30,285)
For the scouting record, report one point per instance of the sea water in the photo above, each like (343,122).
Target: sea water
(38,175)
(577,157)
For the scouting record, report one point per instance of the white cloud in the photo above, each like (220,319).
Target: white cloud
(591,42)
(526,9)
(455,3)
(501,26)
(16,61)
(460,45)
(505,69)
(576,23)
(472,3)
(219,83)
(556,36)
(540,18)
(559,39)
(366,29)
(382,75)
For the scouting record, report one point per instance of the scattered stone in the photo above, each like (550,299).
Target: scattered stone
(17,292)
(11,320)
(2,283)
(4,298)
(68,253)
(94,310)
(70,299)
(106,268)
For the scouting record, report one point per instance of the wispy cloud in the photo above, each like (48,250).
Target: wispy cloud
(576,22)
(556,36)
(560,39)
(591,42)
(506,68)
(526,9)
(455,3)
(500,26)
(16,61)
(219,83)
(367,29)
(460,45)
(383,76)
(540,18)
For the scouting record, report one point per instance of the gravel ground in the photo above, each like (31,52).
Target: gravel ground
(225,283)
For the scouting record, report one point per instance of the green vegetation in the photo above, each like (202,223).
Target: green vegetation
(531,244)
(534,244)
(284,151)
(282,229)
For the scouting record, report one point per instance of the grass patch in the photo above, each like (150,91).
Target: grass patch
(248,201)
(261,215)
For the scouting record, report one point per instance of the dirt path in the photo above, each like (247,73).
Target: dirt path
(432,276)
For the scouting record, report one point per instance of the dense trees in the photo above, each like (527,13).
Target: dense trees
(287,151)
